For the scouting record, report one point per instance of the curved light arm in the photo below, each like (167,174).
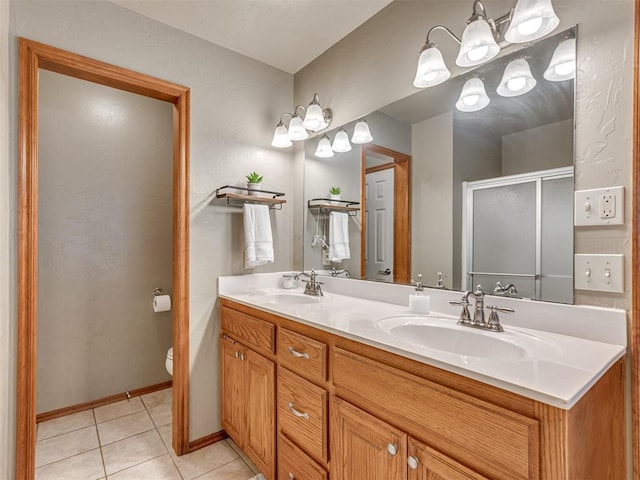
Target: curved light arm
(446,29)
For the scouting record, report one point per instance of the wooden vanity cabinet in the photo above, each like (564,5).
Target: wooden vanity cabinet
(350,411)
(248,395)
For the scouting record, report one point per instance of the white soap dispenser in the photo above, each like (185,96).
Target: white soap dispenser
(418,301)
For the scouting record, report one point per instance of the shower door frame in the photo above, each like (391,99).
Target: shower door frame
(467,218)
(34,56)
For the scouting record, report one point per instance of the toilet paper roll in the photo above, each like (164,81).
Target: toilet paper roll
(161,303)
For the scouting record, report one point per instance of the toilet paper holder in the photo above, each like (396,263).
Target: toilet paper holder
(157,292)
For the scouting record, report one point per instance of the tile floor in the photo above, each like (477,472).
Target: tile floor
(130,440)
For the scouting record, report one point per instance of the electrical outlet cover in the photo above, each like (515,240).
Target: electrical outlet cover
(600,206)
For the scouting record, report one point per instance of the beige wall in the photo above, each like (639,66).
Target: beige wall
(7,261)
(105,227)
(234,101)
(375,65)
(432,178)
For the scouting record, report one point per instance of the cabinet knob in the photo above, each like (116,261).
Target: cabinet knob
(412,462)
(291,476)
(392,448)
(298,354)
(242,356)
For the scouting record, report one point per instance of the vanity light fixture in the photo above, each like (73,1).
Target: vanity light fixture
(478,44)
(324,148)
(315,119)
(473,96)
(517,79)
(563,62)
(341,142)
(531,20)
(361,133)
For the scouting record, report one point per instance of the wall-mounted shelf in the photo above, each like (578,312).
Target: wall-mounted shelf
(324,205)
(238,196)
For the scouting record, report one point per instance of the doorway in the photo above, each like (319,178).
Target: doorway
(34,57)
(386,215)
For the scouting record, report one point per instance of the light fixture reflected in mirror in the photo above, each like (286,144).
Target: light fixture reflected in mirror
(315,119)
(517,79)
(563,62)
(341,142)
(361,133)
(473,96)
(532,19)
(324,148)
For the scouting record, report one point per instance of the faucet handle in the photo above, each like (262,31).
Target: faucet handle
(465,316)
(478,291)
(418,284)
(494,321)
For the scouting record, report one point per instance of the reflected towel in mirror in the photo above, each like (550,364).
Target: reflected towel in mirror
(339,236)
(258,241)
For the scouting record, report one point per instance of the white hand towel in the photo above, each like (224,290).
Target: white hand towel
(258,242)
(339,236)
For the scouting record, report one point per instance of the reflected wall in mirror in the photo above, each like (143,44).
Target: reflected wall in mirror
(490,194)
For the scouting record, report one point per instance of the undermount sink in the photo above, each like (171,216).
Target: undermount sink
(285,298)
(452,338)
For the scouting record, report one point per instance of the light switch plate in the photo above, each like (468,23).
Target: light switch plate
(599,272)
(600,206)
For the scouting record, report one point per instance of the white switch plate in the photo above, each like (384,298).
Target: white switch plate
(590,272)
(600,206)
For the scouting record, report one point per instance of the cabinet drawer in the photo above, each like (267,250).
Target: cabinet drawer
(293,464)
(455,423)
(249,330)
(302,413)
(303,355)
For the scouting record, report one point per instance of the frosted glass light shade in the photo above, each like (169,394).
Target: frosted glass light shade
(473,96)
(478,45)
(341,142)
(281,137)
(532,19)
(324,148)
(296,131)
(431,68)
(314,119)
(517,79)
(563,62)
(361,133)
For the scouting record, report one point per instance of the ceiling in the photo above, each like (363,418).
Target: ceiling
(287,34)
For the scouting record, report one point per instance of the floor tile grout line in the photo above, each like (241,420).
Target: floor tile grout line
(64,433)
(138,464)
(222,465)
(66,458)
(104,466)
(130,436)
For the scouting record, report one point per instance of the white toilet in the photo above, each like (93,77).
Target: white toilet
(169,362)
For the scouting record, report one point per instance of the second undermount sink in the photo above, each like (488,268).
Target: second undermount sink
(285,298)
(449,337)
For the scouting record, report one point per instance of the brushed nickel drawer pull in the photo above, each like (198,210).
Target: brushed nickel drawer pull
(392,449)
(297,413)
(412,462)
(298,354)
(291,476)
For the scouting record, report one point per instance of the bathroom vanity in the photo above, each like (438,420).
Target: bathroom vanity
(323,387)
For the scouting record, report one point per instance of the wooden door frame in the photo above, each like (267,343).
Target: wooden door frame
(401,166)
(635,258)
(32,57)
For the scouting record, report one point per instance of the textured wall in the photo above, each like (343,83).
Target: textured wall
(105,227)
(234,104)
(431,226)
(7,261)
(368,70)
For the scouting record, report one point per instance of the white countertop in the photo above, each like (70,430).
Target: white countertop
(557,369)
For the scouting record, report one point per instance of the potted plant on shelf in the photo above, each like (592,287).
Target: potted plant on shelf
(335,193)
(253,183)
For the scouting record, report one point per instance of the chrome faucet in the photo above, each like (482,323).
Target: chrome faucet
(508,290)
(312,286)
(478,320)
(335,273)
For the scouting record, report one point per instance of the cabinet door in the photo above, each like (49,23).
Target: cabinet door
(364,447)
(428,464)
(261,412)
(233,398)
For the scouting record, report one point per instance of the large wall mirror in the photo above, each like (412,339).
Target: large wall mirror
(470,197)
